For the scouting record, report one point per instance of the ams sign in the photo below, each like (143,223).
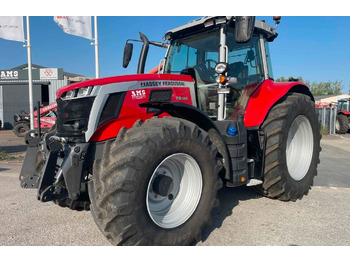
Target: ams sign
(8,74)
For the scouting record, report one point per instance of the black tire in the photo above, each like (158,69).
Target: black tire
(278,182)
(21,129)
(342,124)
(121,179)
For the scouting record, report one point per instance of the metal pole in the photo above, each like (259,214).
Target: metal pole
(30,80)
(38,119)
(222,58)
(97,67)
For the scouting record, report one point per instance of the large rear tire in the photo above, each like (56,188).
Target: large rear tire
(292,148)
(342,124)
(156,184)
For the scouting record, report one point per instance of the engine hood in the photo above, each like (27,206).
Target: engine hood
(124,78)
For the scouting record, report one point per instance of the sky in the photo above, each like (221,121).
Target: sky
(313,47)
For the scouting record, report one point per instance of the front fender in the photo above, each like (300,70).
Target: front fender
(185,111)
(265,96)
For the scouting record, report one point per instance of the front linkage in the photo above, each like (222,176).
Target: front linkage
(59,170)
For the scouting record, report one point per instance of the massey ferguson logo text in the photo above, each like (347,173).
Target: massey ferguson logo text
(162,83)
(9,74)
(138,94)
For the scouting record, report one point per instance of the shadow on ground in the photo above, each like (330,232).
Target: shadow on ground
(14,149)
(229,199)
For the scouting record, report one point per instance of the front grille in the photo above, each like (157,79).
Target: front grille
(73,117)
(159,95)
(112,107)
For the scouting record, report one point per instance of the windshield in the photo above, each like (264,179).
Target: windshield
(343,106)
(197,56)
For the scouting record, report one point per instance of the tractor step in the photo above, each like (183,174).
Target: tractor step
(27,177)
(254,182)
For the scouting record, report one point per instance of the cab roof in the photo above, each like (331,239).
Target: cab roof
(199,25)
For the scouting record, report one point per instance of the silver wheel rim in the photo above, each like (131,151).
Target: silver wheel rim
(178,206)
(337,125)
(300,144)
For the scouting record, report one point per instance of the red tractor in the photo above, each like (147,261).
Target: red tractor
(47,120)
(342,124)
(149,152)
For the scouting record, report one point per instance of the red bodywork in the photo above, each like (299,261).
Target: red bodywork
(45,109)
(45,120)
(344,112)
(255,101)
(131,112)
(264,97)
(121,79)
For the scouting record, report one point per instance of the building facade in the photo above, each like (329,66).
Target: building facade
(328,99)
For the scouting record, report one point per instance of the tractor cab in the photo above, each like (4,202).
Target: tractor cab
(213,52)
(344,105)
(223,54)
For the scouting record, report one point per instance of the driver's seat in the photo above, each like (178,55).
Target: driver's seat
(201,90)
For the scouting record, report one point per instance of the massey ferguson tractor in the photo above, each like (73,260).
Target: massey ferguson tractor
(47,120)
(147,153)
(342,124)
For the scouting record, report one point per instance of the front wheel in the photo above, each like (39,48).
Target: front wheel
(21,129)
(156,184)
(292,148)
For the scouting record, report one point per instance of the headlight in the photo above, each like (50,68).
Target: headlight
(221,68)
(70,94)
(84,91)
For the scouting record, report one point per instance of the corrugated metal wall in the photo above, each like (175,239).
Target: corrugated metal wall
(54,85)
(326,118)
(15,98)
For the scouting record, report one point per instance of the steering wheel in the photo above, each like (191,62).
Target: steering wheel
(210,68)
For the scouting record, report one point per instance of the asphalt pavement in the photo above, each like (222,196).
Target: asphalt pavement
(322,218)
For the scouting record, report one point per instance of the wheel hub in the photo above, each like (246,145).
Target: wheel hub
(163,185)
(300,144)
(174,190)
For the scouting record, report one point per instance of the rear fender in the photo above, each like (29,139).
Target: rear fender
(347,113)
(265,96)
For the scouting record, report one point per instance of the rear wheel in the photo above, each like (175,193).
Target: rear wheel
(342,124)
(292,148)
(21,129)
(156,184)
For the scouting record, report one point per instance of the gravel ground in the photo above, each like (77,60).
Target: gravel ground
(322,218)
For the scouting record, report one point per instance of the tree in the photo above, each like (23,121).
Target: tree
(318,88)
(326,88)
(289,79)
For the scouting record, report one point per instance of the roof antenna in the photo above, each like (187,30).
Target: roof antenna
(277,20)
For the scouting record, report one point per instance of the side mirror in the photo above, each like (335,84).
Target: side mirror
(127,54)
(277,20)
(244,28)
